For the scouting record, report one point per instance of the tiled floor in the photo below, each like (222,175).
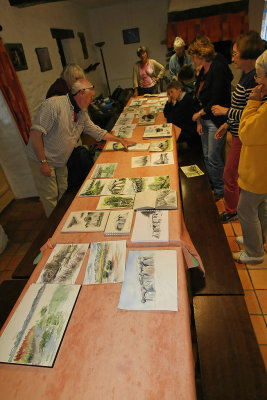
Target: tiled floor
(254,282)
(22,221)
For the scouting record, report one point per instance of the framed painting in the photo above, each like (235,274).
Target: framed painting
(17,56)
(131,35)
(43,58)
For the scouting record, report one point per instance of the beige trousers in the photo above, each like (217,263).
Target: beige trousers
(50,189)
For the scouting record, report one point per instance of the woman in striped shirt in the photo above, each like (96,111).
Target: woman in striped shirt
(246,50)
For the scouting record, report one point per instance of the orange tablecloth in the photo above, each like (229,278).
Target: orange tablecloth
(108,353)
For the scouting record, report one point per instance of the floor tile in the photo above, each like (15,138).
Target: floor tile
(252,302)
(5,275)
(258,266)
(23,248)
(240,266)
(259,278)
(232,243)
(259,328)
(245,280)
(11,248)
(4,261)
(237,228)
(228,230)
(31,235)
(15,262)
(263,350)
(220,206)
(262,298)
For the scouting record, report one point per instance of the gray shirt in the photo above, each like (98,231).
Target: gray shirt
(55,120)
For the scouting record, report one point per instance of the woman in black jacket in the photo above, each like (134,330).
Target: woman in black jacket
(213,86)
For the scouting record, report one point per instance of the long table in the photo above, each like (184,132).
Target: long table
(107,353)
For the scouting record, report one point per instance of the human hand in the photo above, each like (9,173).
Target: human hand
(45,169)
(195,117)
(126,143)
(135,93)
(219,110)
(199,128)
(221,131)
(257,93)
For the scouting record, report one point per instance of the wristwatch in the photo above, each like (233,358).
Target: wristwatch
(43,161)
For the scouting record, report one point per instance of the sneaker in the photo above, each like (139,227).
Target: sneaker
(225,217)
(217,196)
(239,240)
(243,258)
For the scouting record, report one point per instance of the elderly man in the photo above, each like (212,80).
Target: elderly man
(57,126)
(178,59)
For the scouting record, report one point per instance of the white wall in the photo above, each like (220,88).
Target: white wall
(106,25)
(31,27)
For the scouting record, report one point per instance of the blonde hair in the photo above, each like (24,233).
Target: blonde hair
(202,48)
(71,72)
(178,42)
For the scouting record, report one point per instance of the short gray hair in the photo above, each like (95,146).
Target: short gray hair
(261,62)
(68,72)
(80,84)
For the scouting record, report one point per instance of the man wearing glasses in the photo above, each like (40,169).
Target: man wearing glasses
(56,128)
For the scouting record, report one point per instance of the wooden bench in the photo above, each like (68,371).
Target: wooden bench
(206,231)
(9,294)
(25,267)
(230,364)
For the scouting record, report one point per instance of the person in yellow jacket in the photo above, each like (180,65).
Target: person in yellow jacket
(252,171)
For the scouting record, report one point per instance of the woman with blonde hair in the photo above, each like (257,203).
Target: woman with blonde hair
(213,86)
(69,75)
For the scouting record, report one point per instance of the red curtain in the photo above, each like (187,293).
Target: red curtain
(217,28)
(13,94)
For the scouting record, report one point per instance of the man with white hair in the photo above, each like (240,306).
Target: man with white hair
(57,126)
(178,59)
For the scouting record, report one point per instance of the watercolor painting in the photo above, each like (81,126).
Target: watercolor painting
(162,200)
(125,119)
(86,221)
(141,184)
(151,226)
(109,202)
(93,187)
(114,186)
(150,281)
(162,130)
(35,331)
(140,161)
(191,171)
(63,264)
(125,131)
(104,170)
(147,119)
(106,263)
(119,222)
(159,159)
(136,102)
(161,145)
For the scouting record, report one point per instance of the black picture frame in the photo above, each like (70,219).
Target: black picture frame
(131,35)
(44,58)
(17,56)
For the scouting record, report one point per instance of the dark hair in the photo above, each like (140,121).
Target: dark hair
(141,50)
(250,45)
(175,85)
(186,73)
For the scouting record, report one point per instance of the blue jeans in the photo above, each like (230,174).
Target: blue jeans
(212,150)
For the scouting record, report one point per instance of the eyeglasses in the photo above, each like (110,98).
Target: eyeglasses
(87,88)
